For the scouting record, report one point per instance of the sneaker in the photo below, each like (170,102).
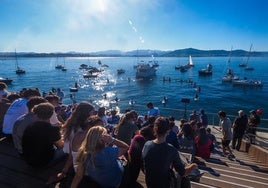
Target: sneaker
(195,175)
(231,156)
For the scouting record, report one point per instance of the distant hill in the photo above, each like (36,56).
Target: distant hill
(145,53)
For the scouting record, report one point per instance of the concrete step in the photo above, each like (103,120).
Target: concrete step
(237,179)
(222,183)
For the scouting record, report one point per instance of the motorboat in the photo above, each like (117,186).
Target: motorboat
(206,71)
(120,71)
(145,71)
(6,80)
(246,82)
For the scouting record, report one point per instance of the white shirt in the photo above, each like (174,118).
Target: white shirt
(16,109)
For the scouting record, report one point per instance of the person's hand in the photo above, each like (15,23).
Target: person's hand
(189,168)
(108,139)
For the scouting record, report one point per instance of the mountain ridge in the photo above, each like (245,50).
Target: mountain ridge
(143,53)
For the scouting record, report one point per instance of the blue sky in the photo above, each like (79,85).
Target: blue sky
(96,25)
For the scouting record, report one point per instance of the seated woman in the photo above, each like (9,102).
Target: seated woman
(203,144)
(98,160)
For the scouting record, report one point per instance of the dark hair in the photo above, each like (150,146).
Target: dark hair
(51,98)
(92,121)
(203,137)
(2,86)
(35,101)
(222,114)
(161,126)
(150,104)
(12,97)
(31,92)
(43,111)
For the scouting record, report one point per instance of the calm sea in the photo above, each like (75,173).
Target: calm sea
(213,96)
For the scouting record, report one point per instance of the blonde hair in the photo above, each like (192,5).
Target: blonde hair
(92,144)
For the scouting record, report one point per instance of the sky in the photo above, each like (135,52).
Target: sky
(98,25)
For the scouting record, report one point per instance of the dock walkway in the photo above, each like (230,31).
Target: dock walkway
(249,169)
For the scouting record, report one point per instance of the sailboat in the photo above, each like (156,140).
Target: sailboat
(246,63)
(247,67)
(63,67)
(58,66)
(183,68)
(18,69)
(229,76)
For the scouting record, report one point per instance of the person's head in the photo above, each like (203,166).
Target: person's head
(92,144)
(53,99)
(93,121)
(77,118)
(187,130)
(34,101)
(151,120)
(203,137)
(208,130)
(113,112)
(43,111)
(12,97)
(101,111)
(2,86)
(221,114)
(28,93)
(161,126)
(150,105)
(146,133)
(253,112)
(202,111)
(171,118)
(240,113)
(194,111)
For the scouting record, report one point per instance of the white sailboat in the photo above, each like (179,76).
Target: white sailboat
(229,76)
(64,67)
(18,69)
(248,67)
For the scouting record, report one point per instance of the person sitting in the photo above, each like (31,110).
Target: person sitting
(3,91)
(194,116)
(114,118)
(127,128)
(213,139)
(60,94)
(17,109)
(40,138)
(24,121)
(98,159)
(172,136)
(203,144)
(159,157)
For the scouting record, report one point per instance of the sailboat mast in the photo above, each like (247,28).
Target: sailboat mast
(249,54)
(16,60)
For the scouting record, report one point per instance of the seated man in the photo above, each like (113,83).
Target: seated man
(41,138)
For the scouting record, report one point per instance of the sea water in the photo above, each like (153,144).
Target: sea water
(212,97)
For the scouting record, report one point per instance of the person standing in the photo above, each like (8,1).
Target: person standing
(203,118)
(253,123)
(239,128)
(159,156)
(152,110)
(226,128)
